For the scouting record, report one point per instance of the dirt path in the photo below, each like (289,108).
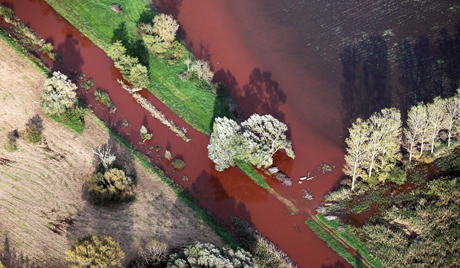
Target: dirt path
(43,205)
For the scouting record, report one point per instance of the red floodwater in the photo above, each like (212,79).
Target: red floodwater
(224,193)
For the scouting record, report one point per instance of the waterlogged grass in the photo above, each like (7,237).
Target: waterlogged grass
(250,171)
(351,240)
(99,23)
(341,251)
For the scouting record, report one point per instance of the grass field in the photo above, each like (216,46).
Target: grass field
(43,202)
(197,107)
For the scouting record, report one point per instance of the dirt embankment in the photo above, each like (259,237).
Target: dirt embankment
(43,206)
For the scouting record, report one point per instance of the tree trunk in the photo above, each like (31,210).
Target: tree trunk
(410,152)
(372,164)
(450,133)
(354,176)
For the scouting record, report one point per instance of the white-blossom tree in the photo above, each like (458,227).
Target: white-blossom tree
(165,26)
(225,143)
(255,141)
(59,94)
(414,124)
(263,136)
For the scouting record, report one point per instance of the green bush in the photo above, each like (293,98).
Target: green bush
(104,98)
(178,164)
(112,186)
(176,51)
(397,175)
(13,136)
(34,129)
(95,251)
(6,13)
(87,84)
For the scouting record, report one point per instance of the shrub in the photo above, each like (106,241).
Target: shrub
(202,69)
(208,255)
(112,186)
(87,84)
(397,175)
(145,134)
(168,155)
(6,13)
(95,251)
(178,164)
(58,95)
(155,44)
(129,67)
(105,156)
(176,51)
(139,76)
(34,129)
(104,98)
(48,49)
(13,136)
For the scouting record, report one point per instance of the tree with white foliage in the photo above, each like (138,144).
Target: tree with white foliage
(436,119)
(357,150)
(452,110)
(256,141)
(414,125)
(209,256)
(263,136)
(104,153)
(59,94)
(165,26)
(225,143)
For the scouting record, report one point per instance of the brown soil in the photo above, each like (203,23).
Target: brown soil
(43,204)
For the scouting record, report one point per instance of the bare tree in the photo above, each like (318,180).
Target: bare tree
(154,251)
(436,119)
(452,110)
(104,153)
(357,150)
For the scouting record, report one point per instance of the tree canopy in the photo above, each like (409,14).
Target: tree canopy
(58,94)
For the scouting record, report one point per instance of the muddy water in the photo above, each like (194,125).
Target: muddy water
(317,65)
(225,194)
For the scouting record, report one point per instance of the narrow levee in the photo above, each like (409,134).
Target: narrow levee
(225,194)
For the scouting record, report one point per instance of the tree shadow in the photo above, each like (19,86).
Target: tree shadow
(12,258)
(428,68)
(261,94)
(169,6)
(71,56)
(365,87)
(135,48)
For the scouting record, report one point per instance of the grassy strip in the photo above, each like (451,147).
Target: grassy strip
(195,106)
(72,123)
(22,51)
(181,192)
(351,240)
(250,171)
(334,244)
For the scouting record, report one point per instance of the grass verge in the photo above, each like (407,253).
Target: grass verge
(350,239)
(334,244)
(195,106)
(251,172)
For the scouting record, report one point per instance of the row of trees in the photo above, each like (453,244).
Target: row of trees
(105,252)
(374,145)
(255,141)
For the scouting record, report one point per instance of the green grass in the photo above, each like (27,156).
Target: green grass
(197,107)
(350,239)
(251,172)
(341,251)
